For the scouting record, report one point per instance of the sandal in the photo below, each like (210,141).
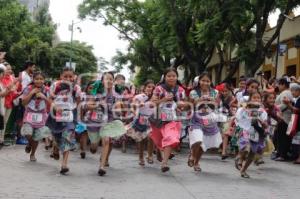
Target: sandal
(142,163)
(65,170)
(197,168)
(190,162)
(55,156)
(238,165)
(101,172)
(32,159)
(150,160)
(279,159)
(164,169)
(82,155)
(224,157)
(244,175)
(172,155)
(259,162)
(28,148)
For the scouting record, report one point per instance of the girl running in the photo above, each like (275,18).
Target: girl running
(251,125)
(202,91)
(64,96)
(140,127)
(124,97)
(112,127)
(168,96)
(92,115)
(36,104)
(228,108)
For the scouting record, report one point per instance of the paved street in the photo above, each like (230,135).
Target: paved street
(20,178)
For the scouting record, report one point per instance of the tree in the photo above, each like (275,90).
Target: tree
(102,64)
(13,19)
(133,20)
(24,38)
(189,31)
(246,24)
(81,54)
(31,49)
(254,30)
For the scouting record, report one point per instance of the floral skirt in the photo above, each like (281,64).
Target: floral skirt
(138,136)
(36,133)
(245,144)
(65,140)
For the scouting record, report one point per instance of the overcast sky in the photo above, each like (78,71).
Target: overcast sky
(104,39)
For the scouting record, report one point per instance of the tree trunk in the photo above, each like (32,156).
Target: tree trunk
(232,71)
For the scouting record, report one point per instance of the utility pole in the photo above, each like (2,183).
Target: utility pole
(71,42)
(71,28)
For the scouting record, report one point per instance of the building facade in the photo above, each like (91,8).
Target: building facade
(34,5)
(288,59)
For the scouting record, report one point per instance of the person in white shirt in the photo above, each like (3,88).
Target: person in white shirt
(25,76)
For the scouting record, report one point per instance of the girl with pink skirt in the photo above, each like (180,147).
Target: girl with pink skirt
(168,96)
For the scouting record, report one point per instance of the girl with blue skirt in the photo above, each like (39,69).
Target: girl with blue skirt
(64,96)
(140,128)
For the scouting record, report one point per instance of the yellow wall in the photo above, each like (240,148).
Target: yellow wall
(291,57)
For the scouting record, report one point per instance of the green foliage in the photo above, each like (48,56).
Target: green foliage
(81,54)
(30,38)
(188,31)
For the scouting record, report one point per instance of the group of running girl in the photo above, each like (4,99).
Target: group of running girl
(105,111)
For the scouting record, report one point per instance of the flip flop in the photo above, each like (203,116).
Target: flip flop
(279,159)
(197,168)
(259,162)
(150,160)
(172,155)
(82,155)
(32,159)
(28,149)
(65,170)
(142,163)
(165,169)
(101,172)
(190,162)
(55,156)
(238,165)
(224,157)
(244,175)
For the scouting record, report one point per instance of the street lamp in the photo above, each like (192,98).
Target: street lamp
(71,28)
(278,43)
